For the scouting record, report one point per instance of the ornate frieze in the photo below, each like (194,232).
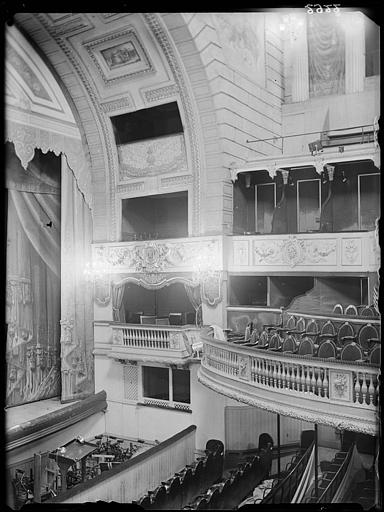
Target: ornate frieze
(160,93)
(153,257)
(293,251)
(121,103)
(173,181)
(332,251)
(153,157)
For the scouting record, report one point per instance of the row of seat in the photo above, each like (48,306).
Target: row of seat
(228,493)
(352,310)
(184,485)
(310,341)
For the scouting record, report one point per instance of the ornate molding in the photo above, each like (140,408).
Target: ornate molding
(160,93)
(313,416)
(157,281)
(131,187)
(351,251)
(106,135)
(162,37)
(153,157)
(176,180)
(293,251)
(110,74)
(118,104)
(211,288)
(154,257)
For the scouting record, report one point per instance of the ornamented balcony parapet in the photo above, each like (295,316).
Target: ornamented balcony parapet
(139,342)
(328,252)
(337,393)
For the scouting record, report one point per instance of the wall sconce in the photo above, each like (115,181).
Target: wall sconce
(344,179)
(247,181)
(291,183)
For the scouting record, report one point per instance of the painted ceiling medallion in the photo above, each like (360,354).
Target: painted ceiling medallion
(119,56)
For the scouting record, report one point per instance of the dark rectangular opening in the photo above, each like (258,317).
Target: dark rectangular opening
(147,123)
(157,216)
(156,382)
(248,291)
(181,386)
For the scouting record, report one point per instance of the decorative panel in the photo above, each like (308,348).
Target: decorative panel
(241,252)
(131,376)
(351,251)
(340,385)
(119,56)
(327,252)
(187,255)
(152,157)
(293,251)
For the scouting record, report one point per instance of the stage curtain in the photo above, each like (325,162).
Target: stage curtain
(326,55)
(77,370)
(33,297)
(118,310)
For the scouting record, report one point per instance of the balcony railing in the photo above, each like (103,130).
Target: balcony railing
(339,393)
(147,342)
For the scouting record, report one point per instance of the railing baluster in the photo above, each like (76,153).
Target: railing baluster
(325,383)
(364,389)
(371,390)
(313,380)
(319,382)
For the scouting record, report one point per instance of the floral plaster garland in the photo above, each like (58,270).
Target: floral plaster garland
(27,139)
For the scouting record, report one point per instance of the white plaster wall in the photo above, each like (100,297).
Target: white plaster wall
(149,423)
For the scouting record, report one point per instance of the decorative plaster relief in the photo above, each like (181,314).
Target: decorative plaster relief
(131,187)
(293,251)
(241,252)
(119,56)
(244,368)
(152,157)
(176,180)
(340,386)
(351,251)
(160,93)
(243,42)
(153,257)
(118,104)
(211,289)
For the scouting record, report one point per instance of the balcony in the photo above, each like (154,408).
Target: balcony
(336,393)
(136,342)
(325,252)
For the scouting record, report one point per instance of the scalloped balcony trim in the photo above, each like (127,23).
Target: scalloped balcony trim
(343,423)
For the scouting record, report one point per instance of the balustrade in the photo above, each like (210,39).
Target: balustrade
(333,390)
(152,337)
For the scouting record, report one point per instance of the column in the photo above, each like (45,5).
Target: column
(299,46)
(354,52)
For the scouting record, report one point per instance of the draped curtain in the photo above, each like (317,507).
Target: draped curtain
(194,296)
(33,284)
(118,310)
(77,370)
(326,54)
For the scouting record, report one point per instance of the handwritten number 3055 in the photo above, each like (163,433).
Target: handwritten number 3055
(312,8)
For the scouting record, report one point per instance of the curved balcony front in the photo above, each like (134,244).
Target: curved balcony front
(331,392)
